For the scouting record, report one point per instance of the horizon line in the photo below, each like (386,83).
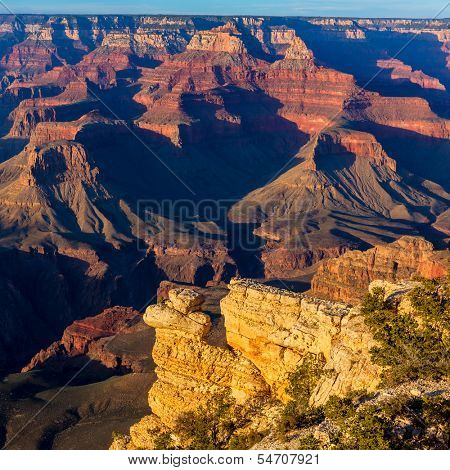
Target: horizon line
(189,15)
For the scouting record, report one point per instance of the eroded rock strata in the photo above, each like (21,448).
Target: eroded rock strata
(94,338)
(188,367)
(347,278)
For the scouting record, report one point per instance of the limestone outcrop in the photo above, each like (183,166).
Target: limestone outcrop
(190,369)
(348,277)
(275,329)
(222,39)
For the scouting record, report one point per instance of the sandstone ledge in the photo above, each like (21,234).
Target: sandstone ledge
(275,329)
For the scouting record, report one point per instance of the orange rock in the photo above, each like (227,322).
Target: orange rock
(347,278)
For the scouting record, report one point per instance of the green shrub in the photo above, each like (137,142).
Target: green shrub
(309,442)
(297,412)
(163,441)
(339,410)
(245,441)
(398,423)
(213,425)
(411,345)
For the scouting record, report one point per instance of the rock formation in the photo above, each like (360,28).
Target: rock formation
(92,337)
(318,93)
(222,39)
(275,329)
(314,209)
(401,71)
(267,333)
(31,112)
(189,368)
(396,112)
(347,278)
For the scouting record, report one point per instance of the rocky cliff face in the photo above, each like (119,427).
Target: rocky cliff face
(401,71)
(191,364)
(31,112)
(348,277)
(275,329)
(222,39)
(266,335)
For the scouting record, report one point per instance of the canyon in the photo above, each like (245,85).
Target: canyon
(142,154)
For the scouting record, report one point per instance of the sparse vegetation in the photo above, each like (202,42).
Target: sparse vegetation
(163,440)
(309,442)
(411,345)
(398,423)
(212,426)
(244,441)
(298,413)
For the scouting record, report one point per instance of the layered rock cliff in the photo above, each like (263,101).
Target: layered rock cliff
(192,364)
(348,277)
(275,329)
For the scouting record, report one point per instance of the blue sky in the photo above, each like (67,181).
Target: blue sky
(358,8)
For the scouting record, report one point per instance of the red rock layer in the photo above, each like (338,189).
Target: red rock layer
(58,163)
(360,144)
(30,56)
(98,67)
(413,114)
(311,96)
(32,111)
(83,337)
(212,59)
(401,71)
(347,278)
(26,117)
(46,132)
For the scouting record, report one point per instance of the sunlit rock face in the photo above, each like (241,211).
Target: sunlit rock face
(348,277)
